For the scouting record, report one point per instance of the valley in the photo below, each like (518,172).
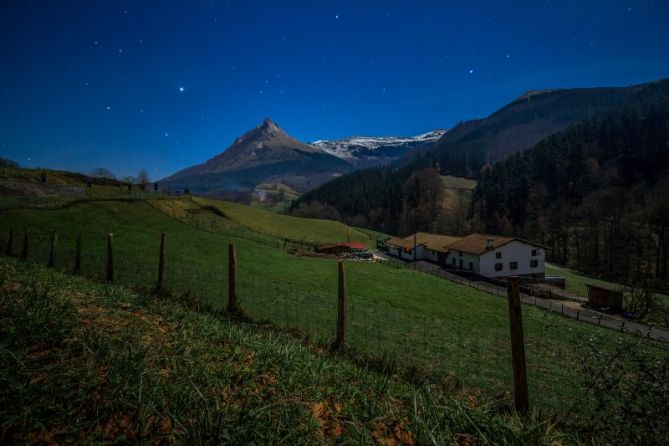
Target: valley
(412,322)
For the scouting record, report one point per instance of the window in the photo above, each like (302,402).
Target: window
(499,266)
(534,263)
(453,261)
(534,253)
(513,265)
(498,255)
(471,266)
(460,254)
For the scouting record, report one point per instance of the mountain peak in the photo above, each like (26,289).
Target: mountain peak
(265,153)
(268,124)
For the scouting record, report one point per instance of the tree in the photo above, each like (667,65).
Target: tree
(143,178)
(101,172)
(423,196)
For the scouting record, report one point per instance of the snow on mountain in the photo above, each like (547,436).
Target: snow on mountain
(369,150)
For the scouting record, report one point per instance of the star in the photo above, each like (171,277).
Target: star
(181,89)
(336,16)
(167,134)
(108,108)
(471,71)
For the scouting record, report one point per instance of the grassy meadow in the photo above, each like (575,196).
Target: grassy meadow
(457,193)
(420,326)
(85,362)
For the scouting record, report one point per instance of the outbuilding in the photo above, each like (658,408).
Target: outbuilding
(600,296)
(342,248)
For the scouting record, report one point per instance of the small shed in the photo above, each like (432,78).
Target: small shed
(600,296)
(341,248)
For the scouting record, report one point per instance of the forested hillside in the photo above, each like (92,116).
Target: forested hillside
(597,194)
(381,198)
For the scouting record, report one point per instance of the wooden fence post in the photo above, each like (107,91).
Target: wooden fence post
(160,285)
(10,242)
(24,251)
(232,278)
(52,251)
(77,256)
(110,258)
(522,402)
(341,307)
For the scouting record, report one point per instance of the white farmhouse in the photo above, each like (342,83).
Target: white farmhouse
(497,256)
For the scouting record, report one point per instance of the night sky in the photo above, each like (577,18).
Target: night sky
(164,85)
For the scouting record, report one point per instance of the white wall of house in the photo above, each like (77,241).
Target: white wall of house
(401,253)
(394,250)
(515,251)
(463,260)
(431,255)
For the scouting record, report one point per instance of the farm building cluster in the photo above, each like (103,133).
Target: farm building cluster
(348,249)
(487,255)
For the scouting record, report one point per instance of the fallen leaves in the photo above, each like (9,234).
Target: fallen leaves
(395,433)
(328,417)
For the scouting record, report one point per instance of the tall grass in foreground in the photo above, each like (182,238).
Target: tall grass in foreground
(88,363)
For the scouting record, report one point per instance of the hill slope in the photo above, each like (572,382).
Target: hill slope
(531,118)
(266,154)
(98,364)
(467,148)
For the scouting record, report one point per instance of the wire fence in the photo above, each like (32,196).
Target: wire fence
(450,351)
(557,301)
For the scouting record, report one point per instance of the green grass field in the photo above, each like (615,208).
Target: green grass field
(422,327)
(457,193)
(98,364)
(287,226)
(452,182)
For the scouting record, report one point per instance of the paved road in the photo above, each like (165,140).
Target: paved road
(565,307)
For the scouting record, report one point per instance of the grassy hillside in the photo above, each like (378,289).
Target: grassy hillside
(287,226)
(415,324)
(457,193)
(90,363)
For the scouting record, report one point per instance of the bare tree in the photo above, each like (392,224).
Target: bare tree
(101,172)
(143,178)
